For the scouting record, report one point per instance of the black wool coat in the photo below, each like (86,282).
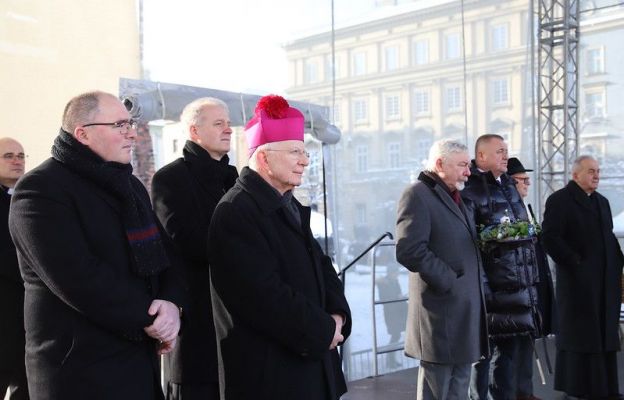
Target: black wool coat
(11,295)
(275,291)
(588,263)
(185,194)
(84,308)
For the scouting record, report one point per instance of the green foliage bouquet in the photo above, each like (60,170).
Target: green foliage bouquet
(507,231)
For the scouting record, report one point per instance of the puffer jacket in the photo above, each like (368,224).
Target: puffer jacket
(510,267)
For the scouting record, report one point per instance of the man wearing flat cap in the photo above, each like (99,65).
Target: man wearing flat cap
(545,291)
(279,307)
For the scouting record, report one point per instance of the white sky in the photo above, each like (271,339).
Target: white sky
(232,44)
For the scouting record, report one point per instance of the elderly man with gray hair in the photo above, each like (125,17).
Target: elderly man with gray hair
(578,235)
(446,314)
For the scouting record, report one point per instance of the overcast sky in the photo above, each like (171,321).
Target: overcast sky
(232,44)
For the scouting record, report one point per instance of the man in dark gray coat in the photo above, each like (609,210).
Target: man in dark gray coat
(437,242)
(578,235)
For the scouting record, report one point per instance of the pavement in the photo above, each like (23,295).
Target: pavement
(401,385)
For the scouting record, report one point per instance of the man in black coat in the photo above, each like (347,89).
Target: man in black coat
(12,369)
(510,268)
(185,194)
(578,235)
(279,307)
(101,290)
(545,290)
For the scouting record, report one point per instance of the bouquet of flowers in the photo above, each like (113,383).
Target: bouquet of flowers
(507,231)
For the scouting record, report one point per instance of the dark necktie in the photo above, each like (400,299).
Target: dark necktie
(456,198)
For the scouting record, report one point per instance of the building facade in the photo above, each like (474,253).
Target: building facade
(51,51)
(412,73)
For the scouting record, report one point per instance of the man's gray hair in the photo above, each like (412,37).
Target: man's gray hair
(253,160)
(576,165)
(190,114)
(443,149)
(81,109)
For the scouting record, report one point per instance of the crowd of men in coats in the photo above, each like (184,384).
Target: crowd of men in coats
(106,283)
(477,305)
(97,283)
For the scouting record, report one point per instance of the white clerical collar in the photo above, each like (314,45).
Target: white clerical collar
(10,191)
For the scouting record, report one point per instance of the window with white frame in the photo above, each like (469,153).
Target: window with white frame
(394,154)
(391,57)
(453,46)
(420,52)
(393,106)
(595,61)
(359,63)
(453,98)
(360,214)
(500,37)
(310,72)
(335,117)
(360,110)
(361,158)
(313,166)
(421,102)
(328,67)
(595,106)
(500,91)
(423,146)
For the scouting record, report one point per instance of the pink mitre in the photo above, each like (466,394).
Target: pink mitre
(274,121)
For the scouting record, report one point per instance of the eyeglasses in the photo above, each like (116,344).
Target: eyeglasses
(125,124)
(526,181)
(13,156)
(295,152)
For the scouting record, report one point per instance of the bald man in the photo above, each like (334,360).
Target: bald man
(12,370)
(102,290)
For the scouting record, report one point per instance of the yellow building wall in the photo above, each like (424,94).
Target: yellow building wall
(53,50)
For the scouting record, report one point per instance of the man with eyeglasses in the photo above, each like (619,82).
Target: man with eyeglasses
(545,290)
(101,288)
(185,194)
(510,269)
(279,307)
(12,368)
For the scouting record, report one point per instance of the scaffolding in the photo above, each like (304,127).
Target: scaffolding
(557,125)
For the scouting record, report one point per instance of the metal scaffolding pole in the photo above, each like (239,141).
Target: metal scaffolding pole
(557,127)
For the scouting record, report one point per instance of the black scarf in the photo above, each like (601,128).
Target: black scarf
(149,256)
(220,175)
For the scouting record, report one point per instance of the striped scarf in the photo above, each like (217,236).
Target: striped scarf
(148,253)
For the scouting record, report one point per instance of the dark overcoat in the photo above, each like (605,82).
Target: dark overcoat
(588,262)
(510,266)
(437,242)
(11,295)
(85,309)
(185,194)
(274,293)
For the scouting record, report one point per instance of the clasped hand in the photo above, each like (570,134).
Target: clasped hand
(166,326)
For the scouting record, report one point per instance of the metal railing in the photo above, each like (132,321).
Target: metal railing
(379,350)
(343,276)
(358,363)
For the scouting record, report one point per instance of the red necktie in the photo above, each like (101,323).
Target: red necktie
(456,198)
